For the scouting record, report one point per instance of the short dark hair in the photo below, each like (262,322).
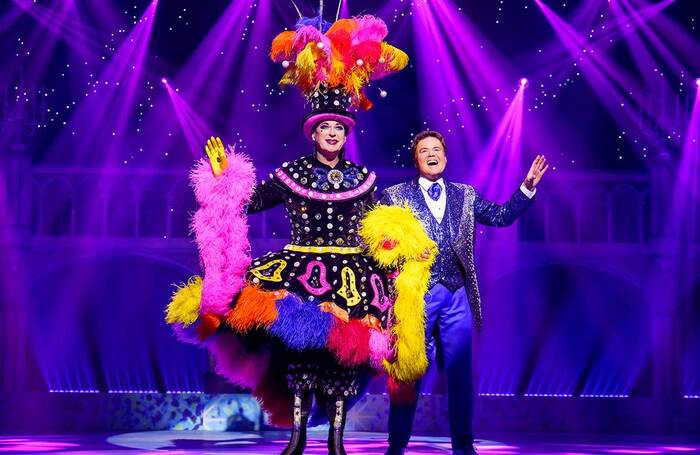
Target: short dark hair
(422,135)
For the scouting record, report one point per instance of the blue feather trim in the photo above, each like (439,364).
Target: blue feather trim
(315,22)
(301,324)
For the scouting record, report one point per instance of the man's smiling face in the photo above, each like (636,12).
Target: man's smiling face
(430,158)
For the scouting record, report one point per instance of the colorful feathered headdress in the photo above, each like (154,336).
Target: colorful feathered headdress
(332,64)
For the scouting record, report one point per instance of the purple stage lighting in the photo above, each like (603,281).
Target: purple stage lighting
(524,82)
(697,82)
(194,127)
(164,81)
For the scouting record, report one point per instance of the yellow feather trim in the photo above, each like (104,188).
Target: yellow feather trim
(287,77)
(337,73)
(397,239)
(184,304)
(396,58)
(306,61)
(399,225)
(356,80)
(409,323)
(306,71)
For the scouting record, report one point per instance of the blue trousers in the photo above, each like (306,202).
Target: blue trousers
(448,335)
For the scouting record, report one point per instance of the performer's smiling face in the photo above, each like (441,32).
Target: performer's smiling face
(329,137)
(430,158)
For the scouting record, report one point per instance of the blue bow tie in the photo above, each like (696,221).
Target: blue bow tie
(434,191)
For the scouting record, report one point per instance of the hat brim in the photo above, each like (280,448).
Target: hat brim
(314,119)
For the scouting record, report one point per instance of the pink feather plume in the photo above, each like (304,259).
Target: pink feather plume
(369,28)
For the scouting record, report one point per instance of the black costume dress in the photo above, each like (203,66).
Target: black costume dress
(323,265)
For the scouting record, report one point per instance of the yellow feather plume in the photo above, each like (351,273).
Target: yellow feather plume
(396,58)
(184,304)
(306,71)
(306,61)
(287,77)
(397,239)
(356,80)
(337,72)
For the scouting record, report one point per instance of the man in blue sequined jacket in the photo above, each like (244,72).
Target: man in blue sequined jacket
(449,212)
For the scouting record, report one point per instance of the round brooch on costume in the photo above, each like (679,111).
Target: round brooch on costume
(335,176)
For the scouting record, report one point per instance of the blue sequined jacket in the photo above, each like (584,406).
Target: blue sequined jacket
(466,208)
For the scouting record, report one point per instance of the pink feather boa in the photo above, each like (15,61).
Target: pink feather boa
(221,229)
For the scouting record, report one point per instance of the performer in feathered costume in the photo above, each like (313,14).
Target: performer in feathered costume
(314,316)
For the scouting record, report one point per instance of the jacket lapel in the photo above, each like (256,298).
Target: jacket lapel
(418,201)
(455,205)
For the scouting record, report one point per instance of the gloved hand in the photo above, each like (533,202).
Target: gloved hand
(217,155)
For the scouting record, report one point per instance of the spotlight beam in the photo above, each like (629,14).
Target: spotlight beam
(442,100)
(205,75)
(501,160)
(619,93)
(553,55)
(686,200)
(603,41)
(646,63)
(685,44)
(489,75)
(257,65)
(194,127)
(111,100)
(61,24)
(651,35)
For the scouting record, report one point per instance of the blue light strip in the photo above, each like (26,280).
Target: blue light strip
(73,391)
(603,396)
(132,391)
(486,394)
(549,395)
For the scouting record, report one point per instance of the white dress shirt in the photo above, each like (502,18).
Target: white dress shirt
(437,208)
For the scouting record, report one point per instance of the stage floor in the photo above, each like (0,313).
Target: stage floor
(356,443)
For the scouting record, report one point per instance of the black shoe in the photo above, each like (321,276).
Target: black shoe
(471,450)
(394,451)
(301,407)
(337,413)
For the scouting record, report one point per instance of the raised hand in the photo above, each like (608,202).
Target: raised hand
(537,170)
(217,155)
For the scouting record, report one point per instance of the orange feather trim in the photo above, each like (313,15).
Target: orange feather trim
(254,308)
(282,46)
(347,25)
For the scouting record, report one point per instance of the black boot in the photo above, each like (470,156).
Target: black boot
(337,412)
(301,407)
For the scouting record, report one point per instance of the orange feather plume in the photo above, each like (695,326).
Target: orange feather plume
(282,46)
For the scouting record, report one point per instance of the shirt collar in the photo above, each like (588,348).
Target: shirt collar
(426,184)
